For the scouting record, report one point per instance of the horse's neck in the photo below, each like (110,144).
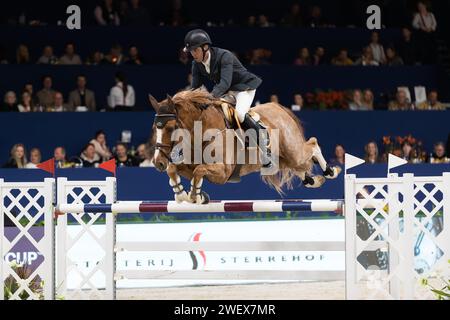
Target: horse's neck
(188,116)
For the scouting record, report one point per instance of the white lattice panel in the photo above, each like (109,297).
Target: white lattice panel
(98,229)
(406,210)
(26,218)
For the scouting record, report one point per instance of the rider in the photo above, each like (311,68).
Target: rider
(229,76)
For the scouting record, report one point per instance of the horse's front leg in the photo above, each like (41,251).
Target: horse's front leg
(175,182)
(216,173)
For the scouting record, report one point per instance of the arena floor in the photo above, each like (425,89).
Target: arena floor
(333,290)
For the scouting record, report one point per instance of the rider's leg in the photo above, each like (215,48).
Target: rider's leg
(244,101)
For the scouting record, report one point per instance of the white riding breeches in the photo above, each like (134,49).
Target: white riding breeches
(244,100)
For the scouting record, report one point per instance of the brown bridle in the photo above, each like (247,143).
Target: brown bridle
(160,122)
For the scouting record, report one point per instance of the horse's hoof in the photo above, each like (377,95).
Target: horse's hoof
(183,196)
(332,173)
(202,198)
(318,182)
(205,197)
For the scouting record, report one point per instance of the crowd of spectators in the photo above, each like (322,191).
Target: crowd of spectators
(412,152)
(48,99)
(364,100)
(312,14)
(95,152)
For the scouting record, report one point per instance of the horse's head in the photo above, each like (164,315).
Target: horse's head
(166,122)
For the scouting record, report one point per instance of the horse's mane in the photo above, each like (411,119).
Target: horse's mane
(198,98)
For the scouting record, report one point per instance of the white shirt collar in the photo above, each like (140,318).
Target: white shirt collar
(207,63)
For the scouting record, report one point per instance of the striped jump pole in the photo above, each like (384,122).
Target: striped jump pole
(213,206)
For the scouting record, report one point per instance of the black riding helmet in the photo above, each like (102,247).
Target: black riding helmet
(196,38)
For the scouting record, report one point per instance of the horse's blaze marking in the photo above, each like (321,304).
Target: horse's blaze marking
(158,140)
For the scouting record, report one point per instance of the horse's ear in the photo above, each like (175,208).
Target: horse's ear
(153,102)
(170,103)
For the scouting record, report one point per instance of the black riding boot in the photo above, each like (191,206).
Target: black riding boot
(263,138)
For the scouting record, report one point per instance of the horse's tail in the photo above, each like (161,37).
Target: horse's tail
(283,178)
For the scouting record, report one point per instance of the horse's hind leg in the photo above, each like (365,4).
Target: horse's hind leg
(328,172)
(304,165)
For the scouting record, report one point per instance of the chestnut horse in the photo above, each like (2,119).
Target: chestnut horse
(295,156)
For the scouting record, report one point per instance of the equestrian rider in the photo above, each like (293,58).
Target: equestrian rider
(229,76)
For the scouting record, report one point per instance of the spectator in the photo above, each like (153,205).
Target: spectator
(304,58)
(47,56)
(432,103)
(438,156)
(178,15)
(339,156)
(122,157)
(316,19)
(123,9)
(448,146)
(60,158)
(298,102)
(82,99)
(106,14)
(407,151)
(251,21)
(3,55)
(22,55)
(342,59)
(423,19)
(260,56)
(392,59)
(134,56)
(319,57)
(367,58)
(137,15)
(425,24)
(263,22)
(121,96)
(26,103)
(408,48)
(99,143)
(274,98)
(293,18)
(10,102)
(89,157)
(400,103)
(115,56)
(70,57)
(183,57)
(371,153)
(35,158)
(28,87)
(367,100)
(377,49)
(96,58)
(18,157)
(59,105)
(46,96)
(143,156)
(356,104)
